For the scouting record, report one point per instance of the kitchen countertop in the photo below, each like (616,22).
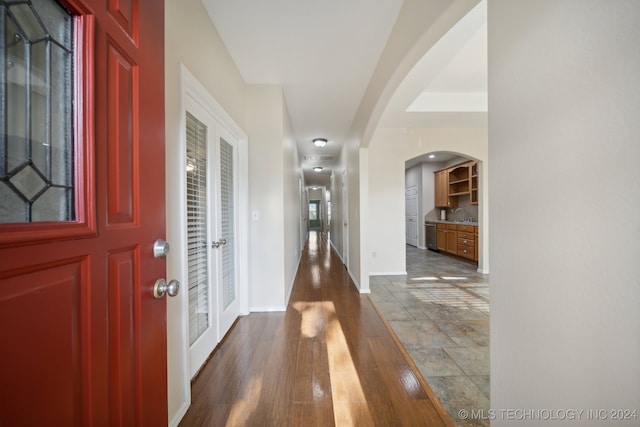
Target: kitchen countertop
(439,221)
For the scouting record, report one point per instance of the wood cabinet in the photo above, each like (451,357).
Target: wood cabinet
(456,181)
(441,190)
(474,183)
(476,245)
(452,239)
(467,241)
(458,239)
(459,180)
(442,237)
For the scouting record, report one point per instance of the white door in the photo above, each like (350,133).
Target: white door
(211,242)
(345,219)
(200,266)
(411,213)
(225,238)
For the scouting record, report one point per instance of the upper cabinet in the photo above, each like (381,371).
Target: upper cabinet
(458,180)
(474,183)
(441,190)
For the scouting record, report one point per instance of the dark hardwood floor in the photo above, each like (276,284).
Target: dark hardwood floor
(328,360)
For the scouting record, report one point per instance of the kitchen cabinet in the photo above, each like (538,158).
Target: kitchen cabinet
(448,238)
(452,239)
(454,182)
(441,190)
(442,237)
(466,242)
(474,183)
(458,239)
(475,258)
(459,180)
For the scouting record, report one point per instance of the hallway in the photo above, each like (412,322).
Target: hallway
(329,360)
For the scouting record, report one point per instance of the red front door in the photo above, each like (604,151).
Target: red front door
(82,338)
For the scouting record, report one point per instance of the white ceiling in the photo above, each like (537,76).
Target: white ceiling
(324,53)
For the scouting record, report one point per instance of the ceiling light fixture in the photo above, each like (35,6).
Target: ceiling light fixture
(432,156)
(319,142)
(317,168)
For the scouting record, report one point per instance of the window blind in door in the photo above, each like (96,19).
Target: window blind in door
(197,235)
(227,222)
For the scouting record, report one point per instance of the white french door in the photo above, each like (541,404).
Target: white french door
(225,247)
(211,200)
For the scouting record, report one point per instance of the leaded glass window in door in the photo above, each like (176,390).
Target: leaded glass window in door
(36,112)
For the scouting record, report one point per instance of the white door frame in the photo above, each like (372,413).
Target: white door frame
(345,218)
(179,379)
(411,214)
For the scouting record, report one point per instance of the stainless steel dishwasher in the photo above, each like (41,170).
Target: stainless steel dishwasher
(431,235)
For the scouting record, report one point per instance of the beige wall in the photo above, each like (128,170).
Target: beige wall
(420,24)
(388,151)
(266,165)
(273,176)
(291,176)
(564,103)
(186,25)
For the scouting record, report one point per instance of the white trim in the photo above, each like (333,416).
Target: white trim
(353,279)
(392,273)
(293,280)
(175,421)
(200,94)
(335,249)
(190,87)
(267,309)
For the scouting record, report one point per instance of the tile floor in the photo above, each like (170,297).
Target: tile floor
(440,312)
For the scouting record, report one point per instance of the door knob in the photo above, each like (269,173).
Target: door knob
(161,288)
(219,243)
(160,248)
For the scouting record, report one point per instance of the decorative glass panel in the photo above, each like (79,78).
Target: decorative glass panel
(36,112)
(197,234)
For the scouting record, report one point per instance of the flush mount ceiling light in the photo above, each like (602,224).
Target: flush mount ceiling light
(317,168)
(319,142)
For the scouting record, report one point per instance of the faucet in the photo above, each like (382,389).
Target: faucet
(464,214)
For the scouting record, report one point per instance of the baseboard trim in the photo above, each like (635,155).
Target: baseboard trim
(389,273)
(266,309)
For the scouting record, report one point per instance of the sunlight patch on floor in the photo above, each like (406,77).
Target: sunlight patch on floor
(349,403)
(243,408)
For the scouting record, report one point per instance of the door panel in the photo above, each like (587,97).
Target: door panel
(411,215)
(84,340)
(210,203)
(45,357)
(122,347)
(122,145)
(201,270)
(229,307)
